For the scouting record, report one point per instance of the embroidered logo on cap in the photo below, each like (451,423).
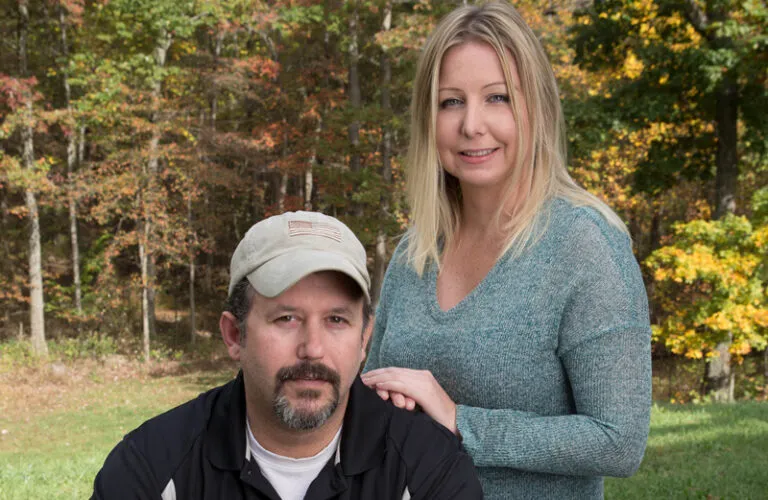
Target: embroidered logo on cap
(307,228)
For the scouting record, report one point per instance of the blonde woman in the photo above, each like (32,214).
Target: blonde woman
(513,311)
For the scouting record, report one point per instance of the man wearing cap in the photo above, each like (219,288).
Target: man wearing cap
(297,422)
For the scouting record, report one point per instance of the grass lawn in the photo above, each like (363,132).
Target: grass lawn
(54,437)
(712,451)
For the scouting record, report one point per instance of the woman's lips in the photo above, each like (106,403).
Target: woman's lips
(477,155)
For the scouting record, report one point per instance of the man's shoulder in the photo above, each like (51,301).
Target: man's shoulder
(418,438)
(430,458)
(170,432)
(148,456)
(437,464)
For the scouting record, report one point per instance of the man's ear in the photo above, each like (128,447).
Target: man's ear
(230,333)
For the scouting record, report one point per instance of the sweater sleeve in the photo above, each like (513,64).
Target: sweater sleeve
(604,348)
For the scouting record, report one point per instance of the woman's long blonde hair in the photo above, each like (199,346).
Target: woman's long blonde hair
(540,173)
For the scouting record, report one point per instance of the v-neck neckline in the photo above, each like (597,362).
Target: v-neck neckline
(444,315)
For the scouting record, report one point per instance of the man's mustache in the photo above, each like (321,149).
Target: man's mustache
(307,370)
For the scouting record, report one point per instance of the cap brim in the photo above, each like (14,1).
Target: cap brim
(279,274)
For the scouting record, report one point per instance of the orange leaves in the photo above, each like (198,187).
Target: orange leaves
(260,66)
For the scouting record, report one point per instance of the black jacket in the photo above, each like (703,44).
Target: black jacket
(197,450)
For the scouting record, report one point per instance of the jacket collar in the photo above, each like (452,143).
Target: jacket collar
(225,442)
(363,436)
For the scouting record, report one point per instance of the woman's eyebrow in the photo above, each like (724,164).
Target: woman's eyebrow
(456,89)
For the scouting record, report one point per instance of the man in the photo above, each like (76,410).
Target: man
(297,422)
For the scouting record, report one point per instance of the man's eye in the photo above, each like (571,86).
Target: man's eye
(450,102)
(338,320)
(499,98)
(285,319)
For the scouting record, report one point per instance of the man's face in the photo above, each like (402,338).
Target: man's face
(303,350)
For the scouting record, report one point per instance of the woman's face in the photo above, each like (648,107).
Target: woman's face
(476,128)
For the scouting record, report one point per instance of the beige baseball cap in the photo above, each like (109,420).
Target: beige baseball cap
(281,250)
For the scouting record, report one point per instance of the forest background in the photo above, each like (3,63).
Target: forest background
(140,139)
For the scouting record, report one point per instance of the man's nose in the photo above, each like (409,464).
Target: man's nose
(311,342)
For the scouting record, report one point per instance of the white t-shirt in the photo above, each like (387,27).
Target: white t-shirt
(290,477)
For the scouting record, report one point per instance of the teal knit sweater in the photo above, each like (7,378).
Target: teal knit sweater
(548,358)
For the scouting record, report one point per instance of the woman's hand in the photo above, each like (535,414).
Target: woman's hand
(397,399)
(419,386)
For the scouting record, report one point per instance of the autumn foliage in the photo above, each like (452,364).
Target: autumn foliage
(162,130)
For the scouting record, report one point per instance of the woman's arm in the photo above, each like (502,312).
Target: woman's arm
(610,376)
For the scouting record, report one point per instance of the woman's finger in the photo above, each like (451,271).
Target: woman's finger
(398,399)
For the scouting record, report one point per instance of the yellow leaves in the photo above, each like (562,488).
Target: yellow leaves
(761,317)
(709,288)
(647,31)
(664,79)
(760,238)
(675,20)
(633,67)
(187,135)
(719,321)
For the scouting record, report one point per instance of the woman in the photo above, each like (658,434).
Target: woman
(513,312)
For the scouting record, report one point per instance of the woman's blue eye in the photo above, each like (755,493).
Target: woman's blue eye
(499,98)
(447,103)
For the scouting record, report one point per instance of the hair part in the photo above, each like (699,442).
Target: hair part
(540,172)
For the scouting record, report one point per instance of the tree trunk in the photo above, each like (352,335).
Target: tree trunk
(208,278)
(36,302)
(192,311)
(4,220)
(283,188)
(308,173)
(144,260)
(214,110)
(355,101)
(727,140)
(282,192)
(720,376)
(72,151)
(765,371)
(146,250)
(380,255)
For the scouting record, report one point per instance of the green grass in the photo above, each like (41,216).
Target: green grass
(709,451)
(55,453)
(54,447)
